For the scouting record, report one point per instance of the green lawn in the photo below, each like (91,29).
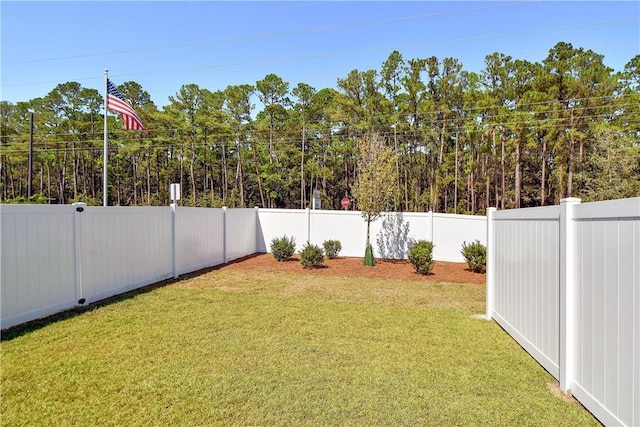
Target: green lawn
(244,348)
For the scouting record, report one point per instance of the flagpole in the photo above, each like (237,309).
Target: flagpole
(106,145)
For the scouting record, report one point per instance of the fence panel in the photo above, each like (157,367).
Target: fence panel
(566,286)
(275,223)
(526,299)
(37,276)
(391,235)
(124,248)
(199,238)
(241,233)
(607,310)
(450,231)
(346,226)
(395,232)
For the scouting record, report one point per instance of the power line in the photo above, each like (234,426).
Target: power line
(272,35)
(425,122)
(516,108)
(352,52)
(218,139)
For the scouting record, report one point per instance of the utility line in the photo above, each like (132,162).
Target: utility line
(486,121)
(257,141)
(278,34)
(517,108)
(346,53)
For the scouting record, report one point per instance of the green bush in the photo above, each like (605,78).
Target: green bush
(332,248)
(421,256)
(283,247)
(311,256)
(476,255)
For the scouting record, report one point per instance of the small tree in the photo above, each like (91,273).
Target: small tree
(375,185)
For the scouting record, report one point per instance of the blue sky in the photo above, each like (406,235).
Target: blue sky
(163,45)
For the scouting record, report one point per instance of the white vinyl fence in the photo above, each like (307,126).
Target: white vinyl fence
(57,257)
(564,281)
(206,237)
(109,245)
(38,270)
(200,241)
(391,235)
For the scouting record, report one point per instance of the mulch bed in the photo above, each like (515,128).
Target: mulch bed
(354,267)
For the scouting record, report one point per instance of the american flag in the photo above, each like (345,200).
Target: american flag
(118,103)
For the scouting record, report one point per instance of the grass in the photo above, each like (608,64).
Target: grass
(244,348)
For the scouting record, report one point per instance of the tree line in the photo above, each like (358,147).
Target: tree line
(515,134)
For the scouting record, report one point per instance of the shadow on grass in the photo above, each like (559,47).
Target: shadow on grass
(25,328)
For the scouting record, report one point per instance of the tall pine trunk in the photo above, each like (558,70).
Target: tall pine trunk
(570,160)
(240,176)
(302,184)
(543,167)
(225,176)
(192,174)
(503,173)
(518,174)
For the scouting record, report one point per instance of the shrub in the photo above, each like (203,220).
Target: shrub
(476,255)
(332,248)
(283,247)
(421,256)
(311,256)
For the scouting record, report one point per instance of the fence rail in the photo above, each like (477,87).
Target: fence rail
(564,281)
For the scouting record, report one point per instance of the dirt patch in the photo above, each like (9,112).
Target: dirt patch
(354,267)
(554,388)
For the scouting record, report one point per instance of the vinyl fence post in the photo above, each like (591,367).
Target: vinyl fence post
(255,243)
(224,234)
(174,191)
(174,240)
(491,267)
(567,292)
(308,227)
(431,227)
(79,207)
